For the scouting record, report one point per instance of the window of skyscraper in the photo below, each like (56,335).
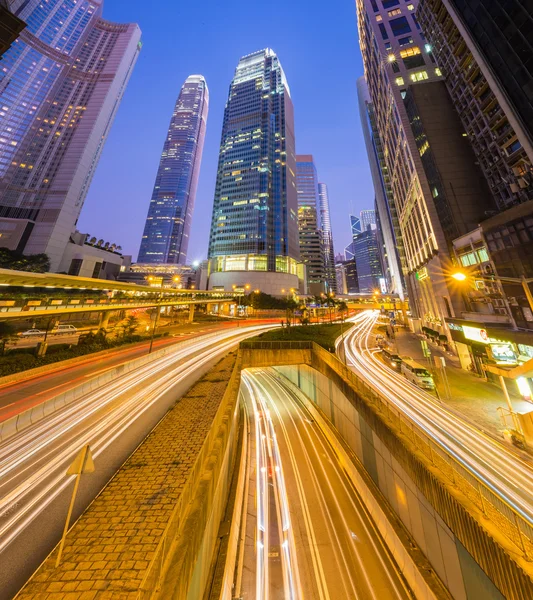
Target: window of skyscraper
(400,26)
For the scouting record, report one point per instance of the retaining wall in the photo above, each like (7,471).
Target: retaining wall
(473,543)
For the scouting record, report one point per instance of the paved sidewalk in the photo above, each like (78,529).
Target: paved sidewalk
(110,547)
(475,398)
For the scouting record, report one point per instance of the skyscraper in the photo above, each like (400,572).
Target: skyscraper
(254,227)
(311,241)
(327,237)
(367,261)
(61,83)
(400,72)
(484,50)
(393,248)
(355,228)
(368,219)
(168,224)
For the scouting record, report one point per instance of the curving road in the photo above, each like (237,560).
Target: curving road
(501,468)
(113,420)
(308,535)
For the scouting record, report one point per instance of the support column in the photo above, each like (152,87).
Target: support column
(104,319)
(191,313)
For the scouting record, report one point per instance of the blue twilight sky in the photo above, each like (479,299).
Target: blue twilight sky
(317,44)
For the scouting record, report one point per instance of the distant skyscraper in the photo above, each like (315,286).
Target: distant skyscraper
(168,225)
(368,261)
(368,218)
(61,83)
(311,241)
(254,228)
(355,225)
(327,237)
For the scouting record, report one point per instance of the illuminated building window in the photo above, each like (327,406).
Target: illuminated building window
(399,81)
(419,76)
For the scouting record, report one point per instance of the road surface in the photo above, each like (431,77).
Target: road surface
(308,535)
(113,420)
(16,397)
(505,472)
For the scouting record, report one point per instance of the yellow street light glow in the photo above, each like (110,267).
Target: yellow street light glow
(392,58)
(459,276)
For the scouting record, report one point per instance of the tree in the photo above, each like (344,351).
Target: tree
(129,325)
(34,263)
(342,308)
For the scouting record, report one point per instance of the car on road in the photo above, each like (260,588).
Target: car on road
(65,329)
(32,333)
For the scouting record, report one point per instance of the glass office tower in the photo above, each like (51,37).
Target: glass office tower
(61,83)
(311,242)
(254,228)
(168,224)
(327,237)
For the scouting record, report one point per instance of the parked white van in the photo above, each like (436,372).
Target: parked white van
(416,373)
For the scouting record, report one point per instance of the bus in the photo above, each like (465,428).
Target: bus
(416,373)
(393,359)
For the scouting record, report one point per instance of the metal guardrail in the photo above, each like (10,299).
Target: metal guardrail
(495,508)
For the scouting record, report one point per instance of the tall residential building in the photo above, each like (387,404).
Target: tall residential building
(368,261)
(311,241)
(392,246)
(61,83)
(419,145)
(484,50)
(368,219)
(254,228)
(327,237)
(168,224)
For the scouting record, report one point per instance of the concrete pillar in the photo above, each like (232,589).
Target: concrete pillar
(191,313)
(104,319)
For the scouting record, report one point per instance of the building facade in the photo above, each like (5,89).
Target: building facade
(309,227)
(484,50)
(367,219)
(398,60)
(168,224)
(254,228)
(61,83)
(327,238)
(392,247)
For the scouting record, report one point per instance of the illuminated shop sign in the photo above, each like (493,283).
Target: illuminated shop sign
(476,334)
(503,352)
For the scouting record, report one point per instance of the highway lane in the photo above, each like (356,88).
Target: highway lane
(308,533)
(34,487)
(498,465)
(16,397)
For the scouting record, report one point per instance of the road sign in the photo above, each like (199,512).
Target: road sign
(83,463)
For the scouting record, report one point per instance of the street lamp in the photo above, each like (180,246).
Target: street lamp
(461,276)
(175,279)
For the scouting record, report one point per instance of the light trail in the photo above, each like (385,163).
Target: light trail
(324,507)
(507,475)
(33,462)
